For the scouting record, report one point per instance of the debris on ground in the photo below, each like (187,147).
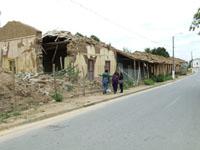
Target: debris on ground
(26,90)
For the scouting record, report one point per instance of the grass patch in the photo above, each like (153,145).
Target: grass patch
(149,82)
(128,83)
(168,77)
(57,97)
(5,115)
(161,78)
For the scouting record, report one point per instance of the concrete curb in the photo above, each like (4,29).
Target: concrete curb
(46,116)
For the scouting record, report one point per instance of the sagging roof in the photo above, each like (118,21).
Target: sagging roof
(150,58)
(156,58)
(55,37)
(16,29)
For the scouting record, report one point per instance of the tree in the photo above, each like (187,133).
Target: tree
(147,50)
(161,51)
(127,50)
(94,37)
(79,34)
(196,21)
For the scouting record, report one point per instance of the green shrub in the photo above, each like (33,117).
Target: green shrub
(149,82)
(95,38)
(168,77)
(71,72)
(57,97)
(4,116)
(160,78)
(128,83)
(154,78)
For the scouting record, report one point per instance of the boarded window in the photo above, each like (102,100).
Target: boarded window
(12,66)
(90,69)
(107,65)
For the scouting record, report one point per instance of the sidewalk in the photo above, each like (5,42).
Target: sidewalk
(55,108)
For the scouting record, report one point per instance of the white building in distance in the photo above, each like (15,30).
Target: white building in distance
(196,64)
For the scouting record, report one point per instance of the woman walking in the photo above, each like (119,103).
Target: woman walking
(115,79)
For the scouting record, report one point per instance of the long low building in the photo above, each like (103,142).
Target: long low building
(24,49)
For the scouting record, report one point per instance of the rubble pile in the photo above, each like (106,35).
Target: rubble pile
(6,85)
(26,90)
(19,94)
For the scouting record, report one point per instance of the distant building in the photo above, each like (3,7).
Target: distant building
(196,64)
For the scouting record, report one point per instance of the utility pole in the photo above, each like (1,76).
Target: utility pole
(0,18)
(173,70)
(191,60)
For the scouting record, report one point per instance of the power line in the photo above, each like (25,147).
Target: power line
(113,22)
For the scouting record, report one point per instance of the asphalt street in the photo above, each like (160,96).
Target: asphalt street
(164,118)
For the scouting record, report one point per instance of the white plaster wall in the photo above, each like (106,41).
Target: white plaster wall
(81,64)
(24,56)
(196,63)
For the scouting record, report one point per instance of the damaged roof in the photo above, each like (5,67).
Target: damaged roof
(151,58)
(56,37)
(78,44)
(156,58)
(56,33)
(16,29)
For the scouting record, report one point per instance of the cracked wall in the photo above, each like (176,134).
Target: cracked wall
(23,52)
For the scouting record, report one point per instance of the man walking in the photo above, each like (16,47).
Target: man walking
(105,81)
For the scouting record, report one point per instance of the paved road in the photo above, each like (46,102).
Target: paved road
(166,118)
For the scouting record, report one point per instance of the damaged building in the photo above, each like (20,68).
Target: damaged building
(54,50)
(20,48)
(90,57)
(24,49)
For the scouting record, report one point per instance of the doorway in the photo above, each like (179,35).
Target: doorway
(90,69)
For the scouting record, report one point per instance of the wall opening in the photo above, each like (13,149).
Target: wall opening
(54,52)
(12,66)
(90,69)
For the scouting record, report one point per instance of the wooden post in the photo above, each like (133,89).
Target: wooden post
(84,78)
(144,70)
(61,65)
(148,70)
(13,75)
(54,77)
(134,69)
(139,73)
(163,68)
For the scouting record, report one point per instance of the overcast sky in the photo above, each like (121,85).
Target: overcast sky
(134,24)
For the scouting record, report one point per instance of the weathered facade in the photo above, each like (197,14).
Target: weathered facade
(140,65)
(24,49)
(19,48)
(91,57)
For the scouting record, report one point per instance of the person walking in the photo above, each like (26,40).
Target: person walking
(105,81)
(121,81)
(115,79)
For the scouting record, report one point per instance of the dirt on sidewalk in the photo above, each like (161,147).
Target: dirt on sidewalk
(42,108)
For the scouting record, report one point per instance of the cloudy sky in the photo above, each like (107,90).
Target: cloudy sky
(133,24)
